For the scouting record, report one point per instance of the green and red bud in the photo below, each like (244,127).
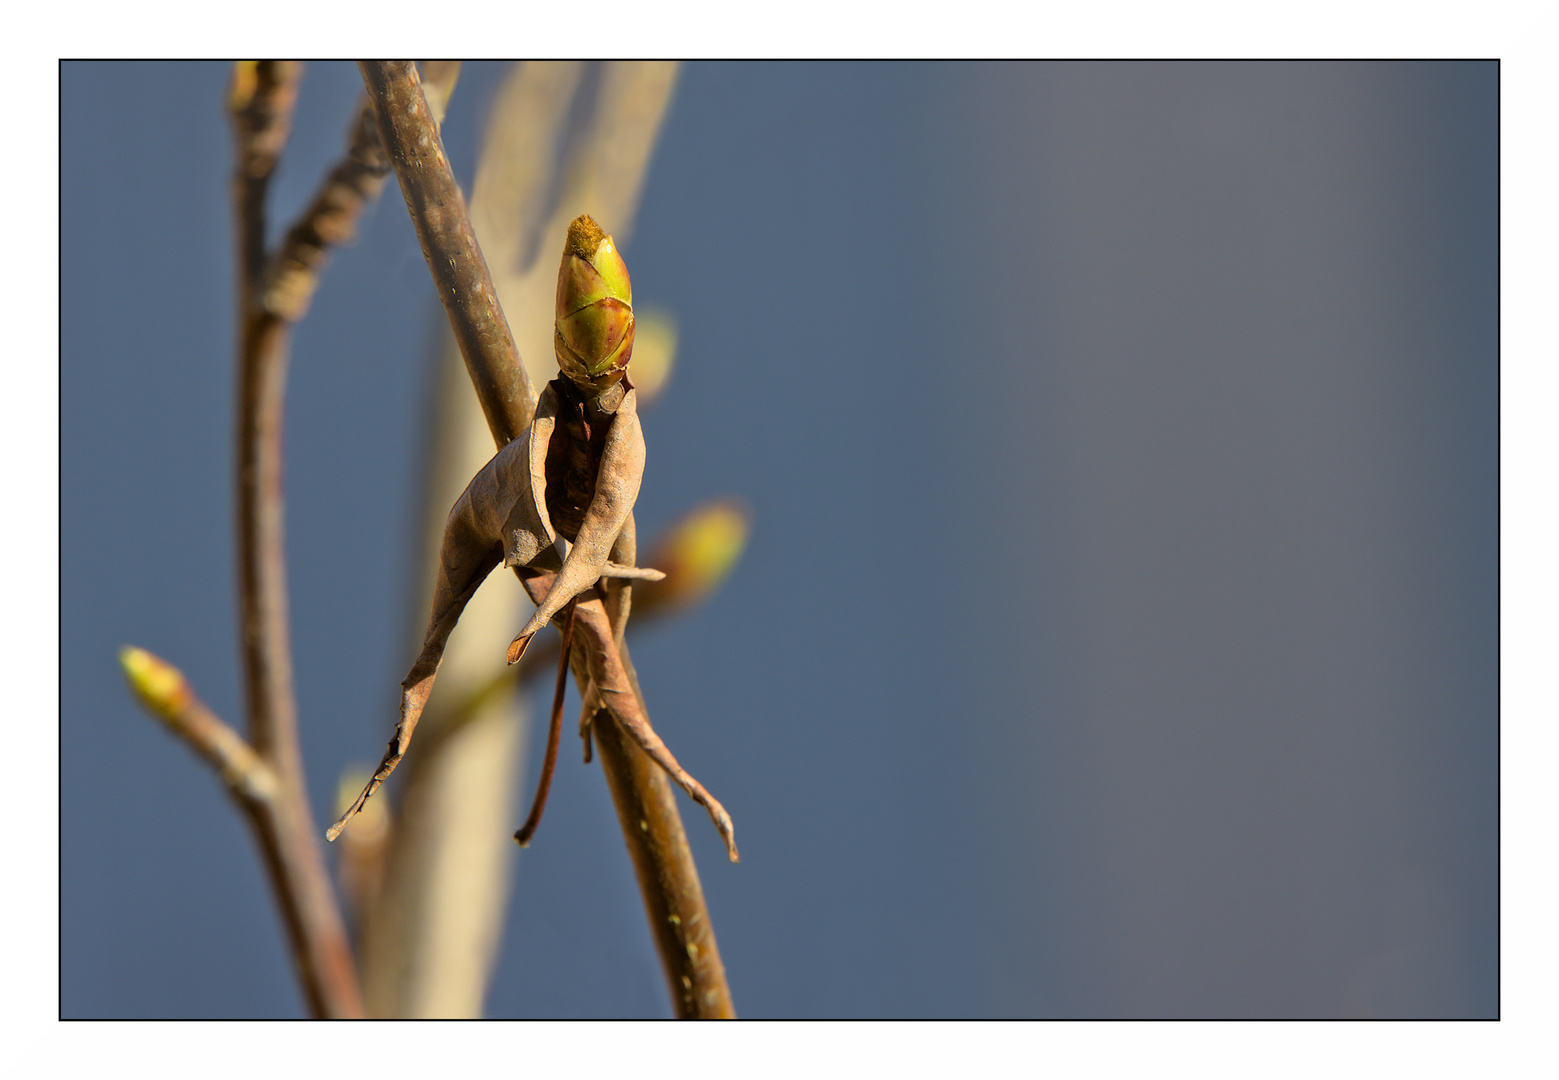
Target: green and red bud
(593,337)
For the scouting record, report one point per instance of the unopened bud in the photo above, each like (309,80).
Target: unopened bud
(697,555)
(161,687)
(593,336)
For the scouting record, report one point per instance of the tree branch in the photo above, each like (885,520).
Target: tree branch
(438,211)
(284,824)
(261,100)
(292,275)
(663,864)
(166,693)
(652,829)
(330,221)
(428,942)
(673,896)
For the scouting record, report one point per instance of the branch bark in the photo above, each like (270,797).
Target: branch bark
(652,828)
(270,803)
(410,134)
(673,896)
(284,823)
(663,864)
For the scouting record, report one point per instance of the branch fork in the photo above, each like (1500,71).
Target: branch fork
(264,772)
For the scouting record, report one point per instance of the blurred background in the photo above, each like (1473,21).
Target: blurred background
(1116,634)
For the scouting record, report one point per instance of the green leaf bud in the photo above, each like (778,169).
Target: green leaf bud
(593,336)
(697,554)
(161,687)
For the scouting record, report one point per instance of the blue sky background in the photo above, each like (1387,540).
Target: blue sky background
(1118,633)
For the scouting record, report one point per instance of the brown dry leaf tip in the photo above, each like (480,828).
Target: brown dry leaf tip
(587,712)
(518,646)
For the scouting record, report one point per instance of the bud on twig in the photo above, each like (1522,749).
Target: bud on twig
(522,508)
(505,513)
(593,335)
(159,685)
(166,693)
(654,352)
(696,556)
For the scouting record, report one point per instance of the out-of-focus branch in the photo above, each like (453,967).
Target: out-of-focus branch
(663,863)
(292,275)
(261,100)
(330,221)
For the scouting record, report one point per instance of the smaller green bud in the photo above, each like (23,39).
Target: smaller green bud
(698,554)
(160,686)
(654,353)
(593,336)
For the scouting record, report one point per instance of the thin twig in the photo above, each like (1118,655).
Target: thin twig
(284,824)
(292,274)
(261,101)
(329,222)
(646,803)
(166,693)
